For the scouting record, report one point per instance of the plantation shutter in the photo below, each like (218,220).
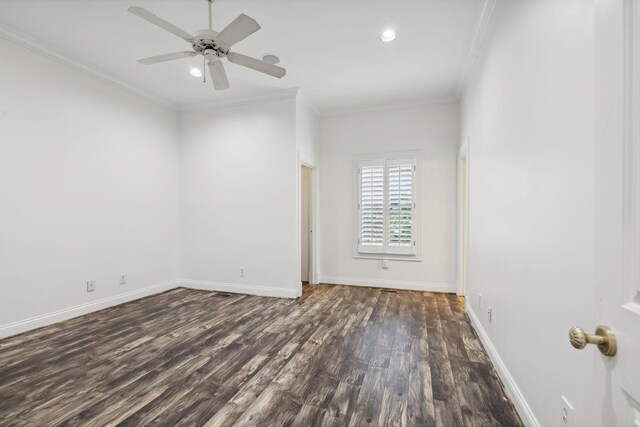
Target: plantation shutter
(400,206)
(371,206)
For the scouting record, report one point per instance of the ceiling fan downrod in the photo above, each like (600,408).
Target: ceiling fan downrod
(204,59)
(210,17)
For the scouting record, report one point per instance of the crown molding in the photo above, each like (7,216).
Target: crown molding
(43,48)
(306,99)
(378,108)
(476,45)
(236,101)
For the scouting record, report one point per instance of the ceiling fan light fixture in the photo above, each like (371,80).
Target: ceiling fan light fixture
(195,72)
(388,36)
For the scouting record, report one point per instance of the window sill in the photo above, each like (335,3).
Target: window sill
(412,258)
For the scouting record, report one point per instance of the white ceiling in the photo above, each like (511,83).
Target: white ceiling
(331,48)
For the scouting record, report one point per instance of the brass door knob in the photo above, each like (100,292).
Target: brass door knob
(604,339)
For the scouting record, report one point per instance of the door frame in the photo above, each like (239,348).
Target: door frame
(313,208)
(631,153)
(463,217)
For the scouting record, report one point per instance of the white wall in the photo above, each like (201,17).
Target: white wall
(239,178)
(433,130)
(89,190)
(307,129)
(529,113)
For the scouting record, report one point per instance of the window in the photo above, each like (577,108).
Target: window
(386,206)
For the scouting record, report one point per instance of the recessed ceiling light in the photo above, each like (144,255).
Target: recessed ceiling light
(388,36)
(195,72)
(271,59)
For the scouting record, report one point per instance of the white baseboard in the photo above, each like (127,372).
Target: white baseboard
(394,284)
(80,310)
(236,288)
(518,399)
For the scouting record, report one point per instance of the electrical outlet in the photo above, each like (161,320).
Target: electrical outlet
(123,279)
(490,314)
(479,301)
(91,285)
(384,263)
(567,413)
(242,272)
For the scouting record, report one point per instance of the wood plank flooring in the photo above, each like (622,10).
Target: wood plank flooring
(339,356)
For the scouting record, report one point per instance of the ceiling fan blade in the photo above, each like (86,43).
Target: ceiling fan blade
(241,27)
(218,75)
(156,20)
(166,57)
(256,64)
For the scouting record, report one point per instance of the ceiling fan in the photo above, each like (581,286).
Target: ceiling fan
(212,45)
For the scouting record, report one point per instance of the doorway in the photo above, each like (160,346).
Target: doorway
(463,216)
(305,224)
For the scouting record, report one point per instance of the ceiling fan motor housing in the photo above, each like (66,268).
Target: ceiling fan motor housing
(205,43)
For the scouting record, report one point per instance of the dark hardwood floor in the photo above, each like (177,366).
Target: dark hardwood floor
(340,356)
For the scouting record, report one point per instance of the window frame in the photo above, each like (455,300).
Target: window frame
(384,253)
